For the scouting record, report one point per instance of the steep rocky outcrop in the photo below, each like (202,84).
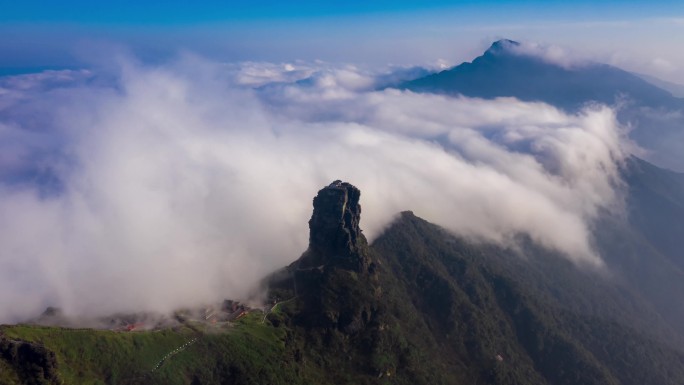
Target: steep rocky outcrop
(335,278)
(335,237)
(34,365)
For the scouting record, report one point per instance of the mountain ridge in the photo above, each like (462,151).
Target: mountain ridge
(502,71)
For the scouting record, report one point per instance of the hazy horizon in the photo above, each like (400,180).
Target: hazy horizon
(635,35)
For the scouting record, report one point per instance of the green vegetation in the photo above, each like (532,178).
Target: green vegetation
(8,374)
(94,356)
(549,322)
(248,352)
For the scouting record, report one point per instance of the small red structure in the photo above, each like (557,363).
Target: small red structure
(131,327)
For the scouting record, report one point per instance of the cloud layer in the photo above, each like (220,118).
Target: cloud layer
(149,188)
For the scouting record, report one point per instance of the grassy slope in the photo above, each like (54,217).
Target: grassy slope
(249,353)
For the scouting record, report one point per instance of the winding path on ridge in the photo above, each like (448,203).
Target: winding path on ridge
(294,283)
(173,353)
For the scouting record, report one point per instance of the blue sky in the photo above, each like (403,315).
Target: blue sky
(186,12)
(635,34)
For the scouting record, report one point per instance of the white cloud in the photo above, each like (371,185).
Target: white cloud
(553,54)
(181,186)
(661,65)
(256,74)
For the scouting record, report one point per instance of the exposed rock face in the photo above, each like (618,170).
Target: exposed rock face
(335,237)
(34,364)
(335,278)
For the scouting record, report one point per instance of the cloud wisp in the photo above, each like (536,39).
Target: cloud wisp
(181,183)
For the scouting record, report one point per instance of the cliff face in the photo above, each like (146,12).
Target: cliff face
(335,221)
(335,278)
(32,363)
(335,238)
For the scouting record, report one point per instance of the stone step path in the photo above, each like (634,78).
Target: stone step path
(267,312)
(174,352)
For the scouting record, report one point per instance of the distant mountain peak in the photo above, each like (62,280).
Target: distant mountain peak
(512,69)
(502,46)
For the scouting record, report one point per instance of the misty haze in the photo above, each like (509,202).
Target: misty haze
(211,195)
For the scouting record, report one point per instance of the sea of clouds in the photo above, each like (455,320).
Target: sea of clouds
(148,187)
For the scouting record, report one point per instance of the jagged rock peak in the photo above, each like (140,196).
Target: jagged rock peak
(334,225)
(335,278)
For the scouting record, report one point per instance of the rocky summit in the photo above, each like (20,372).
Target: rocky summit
(335,277)
(335,238)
